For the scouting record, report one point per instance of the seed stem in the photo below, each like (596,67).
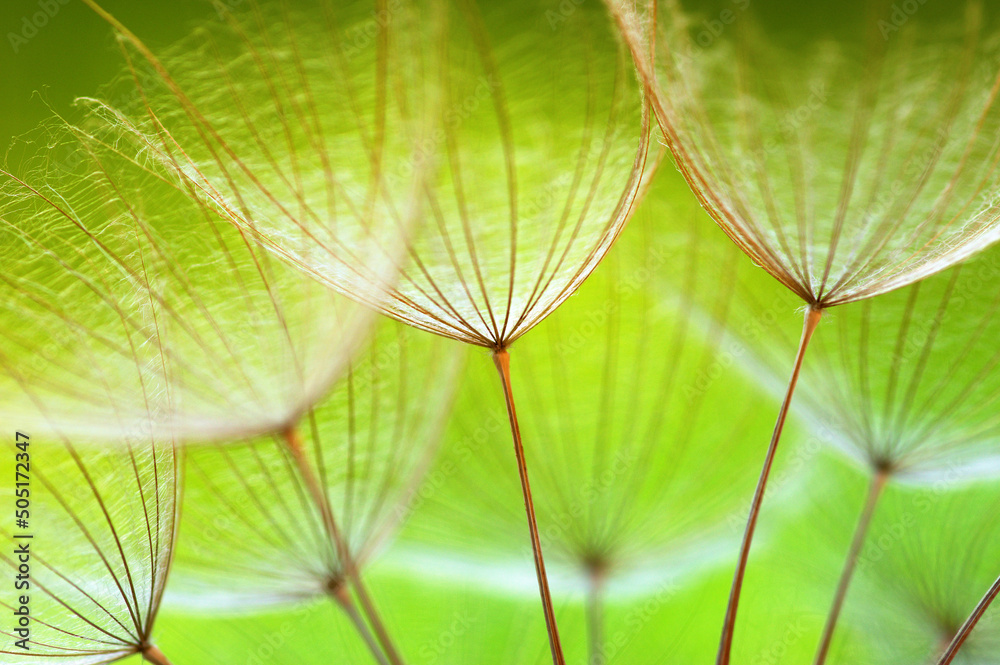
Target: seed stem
(970,623)
(153,655)
(595,618)
(368,606)
(502,360)
(875,488)
(344,601)
(294,443)
(812,317)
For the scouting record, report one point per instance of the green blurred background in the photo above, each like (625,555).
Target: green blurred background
(74,52)
(438,621)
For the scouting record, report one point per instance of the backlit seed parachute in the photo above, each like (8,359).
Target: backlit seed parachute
(926,561)
(904,386)
(639,409)
(526,140)
(130,309)
(526,137)
(103,523)
(846,163)
(253,534)
(909,384)
(930,558)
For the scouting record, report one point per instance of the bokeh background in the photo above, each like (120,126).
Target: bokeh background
(452,611)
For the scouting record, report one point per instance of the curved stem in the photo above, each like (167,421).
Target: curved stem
(153,655)
(502,360)
(374,619)
(812,317)
(875,488)
(970,623)
(346,603)
(294,442)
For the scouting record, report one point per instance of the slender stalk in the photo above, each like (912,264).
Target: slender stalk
(970,623)
(502,360)
(595,618)
(875,488)
(294,442)
(153,655)
(346,603)
(812,317)
(373,617)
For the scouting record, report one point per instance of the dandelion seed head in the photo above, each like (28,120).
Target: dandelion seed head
(131,309)
(113,511)
(639,475)
(496,184)
(254,537)
(909,381)
(846,168)
(925,567)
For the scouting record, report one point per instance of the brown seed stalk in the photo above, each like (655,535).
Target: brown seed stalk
(875,488)
(152,654)
(502,360)
(963,633)
(391,654)
(812,317)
